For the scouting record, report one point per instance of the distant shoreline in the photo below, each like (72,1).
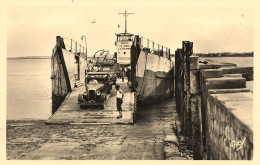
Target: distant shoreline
(224,54)
(30,57)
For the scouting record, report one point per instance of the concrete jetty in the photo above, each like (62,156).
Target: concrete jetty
(214,101)
(70,112)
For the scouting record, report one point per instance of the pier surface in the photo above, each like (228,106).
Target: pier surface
(70,112)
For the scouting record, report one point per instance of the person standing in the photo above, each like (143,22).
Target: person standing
(95,68)
(119,100)
(123,73)
(128,72)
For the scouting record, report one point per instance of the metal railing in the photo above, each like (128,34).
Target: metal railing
(74,46)
(154,47)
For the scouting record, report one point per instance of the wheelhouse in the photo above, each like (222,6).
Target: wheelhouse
(123,43)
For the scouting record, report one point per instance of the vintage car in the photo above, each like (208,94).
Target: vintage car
(110,69)
(97,87)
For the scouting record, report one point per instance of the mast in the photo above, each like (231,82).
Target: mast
(126,14)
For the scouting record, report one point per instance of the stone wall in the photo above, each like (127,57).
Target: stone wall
(228,113)
(214,106)
(230,120)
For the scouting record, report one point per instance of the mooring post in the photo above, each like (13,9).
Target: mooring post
(177,68)
(188,51)
(195,97)
(179,88)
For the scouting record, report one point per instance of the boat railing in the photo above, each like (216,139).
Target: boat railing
(153,47)
(74,47)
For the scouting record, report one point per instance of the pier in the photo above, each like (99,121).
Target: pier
(215,106)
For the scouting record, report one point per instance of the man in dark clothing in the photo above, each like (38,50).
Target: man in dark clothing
(128,71)
(123,73)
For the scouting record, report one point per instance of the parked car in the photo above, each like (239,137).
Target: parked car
(97,87)
(110,69)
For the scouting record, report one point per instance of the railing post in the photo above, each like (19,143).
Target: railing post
(153,46)
(71,45)
(162,50)
(76,47)
(169,51)
(142,42)
(159,50)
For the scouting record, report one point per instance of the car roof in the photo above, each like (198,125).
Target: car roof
(97,73)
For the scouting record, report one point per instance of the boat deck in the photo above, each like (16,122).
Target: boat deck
(70,112)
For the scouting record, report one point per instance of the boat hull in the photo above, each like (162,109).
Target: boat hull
(67,68)
(154,78)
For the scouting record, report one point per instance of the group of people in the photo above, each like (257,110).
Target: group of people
(126,71)
(93,68)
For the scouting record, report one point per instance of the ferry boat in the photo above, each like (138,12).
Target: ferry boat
(68,66)
(152,70)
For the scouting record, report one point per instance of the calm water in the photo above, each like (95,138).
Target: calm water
(240,61)
(29,86)
(28,89)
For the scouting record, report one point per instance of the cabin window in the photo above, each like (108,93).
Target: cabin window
(124,38)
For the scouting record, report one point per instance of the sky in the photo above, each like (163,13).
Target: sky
(32,26)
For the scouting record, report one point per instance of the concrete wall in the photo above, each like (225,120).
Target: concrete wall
(219,125)
(229,123)
(227,115)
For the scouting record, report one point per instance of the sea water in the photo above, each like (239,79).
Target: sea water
(29,86)
(28,89)
(239,61)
